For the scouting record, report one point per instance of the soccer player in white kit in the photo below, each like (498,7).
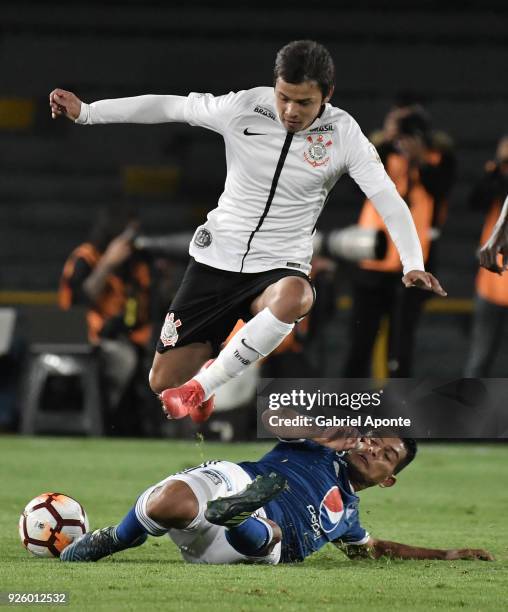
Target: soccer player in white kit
(286,147)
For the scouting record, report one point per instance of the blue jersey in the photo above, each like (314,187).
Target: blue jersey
(319,505)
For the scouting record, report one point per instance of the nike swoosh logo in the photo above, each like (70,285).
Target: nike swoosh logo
(249,347)
(247,133)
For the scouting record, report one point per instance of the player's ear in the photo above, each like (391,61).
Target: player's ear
(328,97)
(388,482)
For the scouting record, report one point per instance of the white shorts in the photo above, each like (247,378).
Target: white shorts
(201,541)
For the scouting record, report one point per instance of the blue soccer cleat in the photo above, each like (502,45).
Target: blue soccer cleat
(97,544)
(233,510)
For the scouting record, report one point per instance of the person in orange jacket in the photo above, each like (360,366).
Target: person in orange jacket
(421,163)
(108,276)
(491,303)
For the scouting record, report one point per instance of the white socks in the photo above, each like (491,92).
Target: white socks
(257,338)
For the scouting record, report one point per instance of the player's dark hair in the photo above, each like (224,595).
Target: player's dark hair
(411,449)
(305,60)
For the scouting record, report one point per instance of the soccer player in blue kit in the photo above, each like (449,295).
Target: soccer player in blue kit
(298,497)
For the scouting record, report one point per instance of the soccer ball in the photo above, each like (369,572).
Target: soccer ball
(50,522)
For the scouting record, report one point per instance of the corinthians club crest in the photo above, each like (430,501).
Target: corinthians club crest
(169,335)
(317,153)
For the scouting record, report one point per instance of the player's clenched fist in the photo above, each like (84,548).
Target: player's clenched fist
(423,280)
(64,103)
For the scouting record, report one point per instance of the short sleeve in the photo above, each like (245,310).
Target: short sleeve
(356,534)
(363,163)
(212,112)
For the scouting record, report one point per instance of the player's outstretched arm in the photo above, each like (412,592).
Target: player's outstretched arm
(376,549)
(497,243)
(402,230)
(138,109)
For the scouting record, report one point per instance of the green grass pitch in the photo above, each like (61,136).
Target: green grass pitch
(451,496)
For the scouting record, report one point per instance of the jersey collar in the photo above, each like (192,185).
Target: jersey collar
(319,119)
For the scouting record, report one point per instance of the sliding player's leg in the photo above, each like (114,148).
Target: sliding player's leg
(178,506)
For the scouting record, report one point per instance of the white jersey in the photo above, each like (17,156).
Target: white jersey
(277,182)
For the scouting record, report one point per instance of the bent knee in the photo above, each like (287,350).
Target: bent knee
(173,505)
(293,298)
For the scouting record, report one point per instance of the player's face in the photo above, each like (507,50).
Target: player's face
(298,104)
(377,461)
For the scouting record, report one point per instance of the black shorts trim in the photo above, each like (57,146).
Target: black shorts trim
(210,301)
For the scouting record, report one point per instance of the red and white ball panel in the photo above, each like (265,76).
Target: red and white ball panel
(50,522)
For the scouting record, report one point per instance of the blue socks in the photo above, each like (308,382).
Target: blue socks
(250,537)
(130,528)
(136,522)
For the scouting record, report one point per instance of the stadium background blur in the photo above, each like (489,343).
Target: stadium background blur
(55,176)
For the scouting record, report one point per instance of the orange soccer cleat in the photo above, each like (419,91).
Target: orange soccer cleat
(179,401)
(202,413)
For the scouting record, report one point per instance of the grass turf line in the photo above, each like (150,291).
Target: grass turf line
(452,496)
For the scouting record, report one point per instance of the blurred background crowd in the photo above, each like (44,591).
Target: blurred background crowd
(94,221)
